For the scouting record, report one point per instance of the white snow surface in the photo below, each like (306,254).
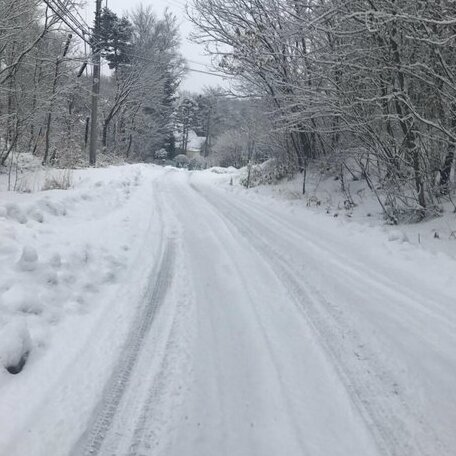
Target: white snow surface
(72,267)
(170,313)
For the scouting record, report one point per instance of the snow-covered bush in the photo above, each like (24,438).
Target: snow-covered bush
(181,160)
(269,172)
(197,162)
(161,154)
(58,181)
(230,149)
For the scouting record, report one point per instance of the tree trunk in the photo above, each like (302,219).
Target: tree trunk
(445,173)
(405,123)
(304,176)
(86,132)
(130,140)
(104,140)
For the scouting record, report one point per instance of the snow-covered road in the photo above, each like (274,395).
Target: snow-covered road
(265,332)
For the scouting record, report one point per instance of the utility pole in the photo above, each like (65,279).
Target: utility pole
(96,56)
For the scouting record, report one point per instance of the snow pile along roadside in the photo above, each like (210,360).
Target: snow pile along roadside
(67,260)
(324,196)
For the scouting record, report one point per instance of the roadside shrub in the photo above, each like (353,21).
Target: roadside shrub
(60,181)
(197,163)
(269,172)
(181,160)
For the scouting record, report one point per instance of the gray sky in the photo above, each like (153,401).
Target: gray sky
(194,53)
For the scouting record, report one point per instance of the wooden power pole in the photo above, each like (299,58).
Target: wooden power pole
(96,52)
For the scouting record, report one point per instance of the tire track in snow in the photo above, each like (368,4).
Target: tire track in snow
(107,409)
(352,269)
(255,312)
(155,411)
(393,423)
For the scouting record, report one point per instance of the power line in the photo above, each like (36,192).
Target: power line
(177,4)
(146,60)
(197,63)
(82,25)
(82,19)
(81,28)
(82,31)
(69,24)
(65,15)
(220,75)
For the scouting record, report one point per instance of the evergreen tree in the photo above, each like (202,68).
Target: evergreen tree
(185,120)
(115,39)
(169,100)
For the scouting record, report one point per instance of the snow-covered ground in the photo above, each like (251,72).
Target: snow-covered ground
(167,312)
(73,267)
(324,196)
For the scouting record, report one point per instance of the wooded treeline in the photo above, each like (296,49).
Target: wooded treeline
(371,84)
(228,125)
(45,81)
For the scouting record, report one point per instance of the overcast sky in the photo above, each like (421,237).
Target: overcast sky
(192,52)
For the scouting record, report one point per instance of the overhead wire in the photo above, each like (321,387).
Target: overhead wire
(82,25)
(83,20)
(77,27)
(177,4)
(56,10)
(81,29)
(220,75)
(198,63)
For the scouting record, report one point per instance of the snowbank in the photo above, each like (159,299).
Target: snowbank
(324,197)
(70,259)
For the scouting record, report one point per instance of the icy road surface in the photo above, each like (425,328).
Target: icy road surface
(268,333)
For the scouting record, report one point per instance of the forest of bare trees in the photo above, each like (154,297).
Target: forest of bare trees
(368,85)
(46,52)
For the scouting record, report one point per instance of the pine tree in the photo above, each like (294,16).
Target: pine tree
(169,100)
(185,117)
(115,39)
